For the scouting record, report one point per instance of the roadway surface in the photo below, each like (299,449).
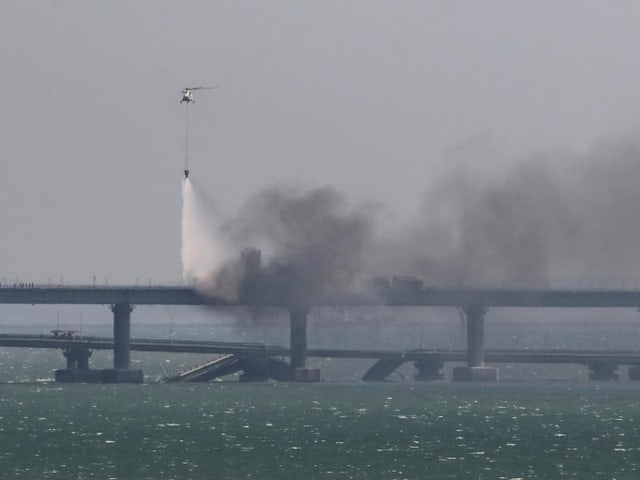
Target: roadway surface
(103,295)
(418,296)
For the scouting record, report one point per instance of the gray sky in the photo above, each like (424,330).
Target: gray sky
(378,99)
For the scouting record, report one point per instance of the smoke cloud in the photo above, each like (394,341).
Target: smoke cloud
(553,220)
(295,245)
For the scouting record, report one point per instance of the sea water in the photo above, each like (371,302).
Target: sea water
(538,422)
(406,430)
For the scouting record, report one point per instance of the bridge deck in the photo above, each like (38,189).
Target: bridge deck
(621,357)
(102,295)
(424,296)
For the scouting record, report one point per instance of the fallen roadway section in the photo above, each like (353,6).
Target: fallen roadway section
(260,361)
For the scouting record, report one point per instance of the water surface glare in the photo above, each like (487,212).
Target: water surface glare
(321,431)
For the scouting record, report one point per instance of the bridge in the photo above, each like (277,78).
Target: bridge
(245,356)
(103,295)
(397,291)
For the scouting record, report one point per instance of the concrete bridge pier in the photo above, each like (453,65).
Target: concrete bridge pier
(121,371)
(77,370)
(475,369)
(298,346)
(121,336)
(77,358)
(429,369)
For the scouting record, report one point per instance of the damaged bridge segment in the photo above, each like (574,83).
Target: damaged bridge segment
(474,303)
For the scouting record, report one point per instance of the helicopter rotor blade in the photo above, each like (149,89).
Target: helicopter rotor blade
(201,88)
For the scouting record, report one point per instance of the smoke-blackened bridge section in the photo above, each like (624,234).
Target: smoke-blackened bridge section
(392,294)
(397,294)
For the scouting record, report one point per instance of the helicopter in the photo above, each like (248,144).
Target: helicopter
(187,93)
(187,97)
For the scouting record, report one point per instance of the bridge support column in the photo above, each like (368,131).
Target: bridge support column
(298,347)
(72,361)
(121,336)
(121,372)
(431,369)
(83,359)
(603,371)
(475,369)
(77,358)
(77,370)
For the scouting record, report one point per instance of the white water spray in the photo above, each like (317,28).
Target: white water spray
(202,247)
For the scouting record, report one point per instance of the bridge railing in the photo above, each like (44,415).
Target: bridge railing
(86,286)
(586,284)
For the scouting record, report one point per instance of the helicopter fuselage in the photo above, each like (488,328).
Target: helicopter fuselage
(187,97)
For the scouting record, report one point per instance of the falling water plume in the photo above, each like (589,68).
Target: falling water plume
(202,249)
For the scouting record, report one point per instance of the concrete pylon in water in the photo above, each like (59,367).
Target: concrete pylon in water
(475,369)
(121,371)
(298,346)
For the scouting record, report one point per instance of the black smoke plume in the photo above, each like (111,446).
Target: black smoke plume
(295,246)
(552,220)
